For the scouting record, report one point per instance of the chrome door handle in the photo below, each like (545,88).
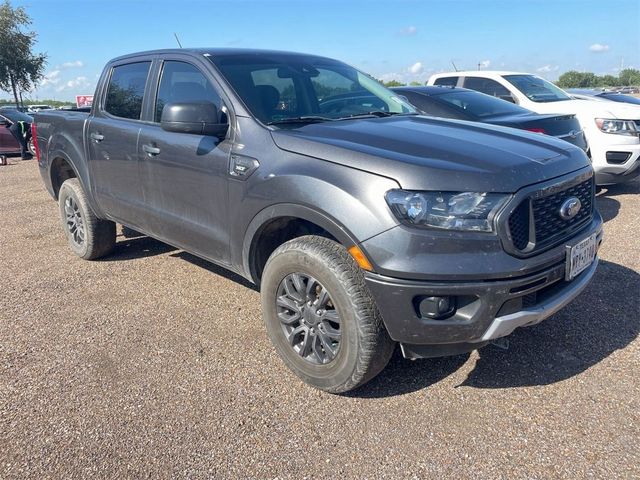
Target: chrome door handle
(151,151)
(97,137)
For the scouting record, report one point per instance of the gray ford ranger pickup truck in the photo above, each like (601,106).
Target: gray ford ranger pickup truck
(365,224)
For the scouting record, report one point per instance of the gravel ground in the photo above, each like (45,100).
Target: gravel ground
(153,363)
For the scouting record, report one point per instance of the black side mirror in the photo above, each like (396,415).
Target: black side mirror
(196,118)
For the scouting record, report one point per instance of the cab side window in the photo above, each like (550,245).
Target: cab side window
(488,87)
(126,90)
(447,81)
(181,82)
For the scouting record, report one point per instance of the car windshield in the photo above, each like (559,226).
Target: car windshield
(295,89)
(480,105)
(537,89)
(16,116)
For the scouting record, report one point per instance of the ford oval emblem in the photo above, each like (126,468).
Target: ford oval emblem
(570,208)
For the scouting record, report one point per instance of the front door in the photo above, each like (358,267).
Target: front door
(184,176)
(112,135)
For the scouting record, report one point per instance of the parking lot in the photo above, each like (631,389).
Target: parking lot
(153,363)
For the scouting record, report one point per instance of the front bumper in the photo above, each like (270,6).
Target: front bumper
(610,173)
(486,309)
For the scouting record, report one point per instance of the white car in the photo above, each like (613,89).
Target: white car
(612,129)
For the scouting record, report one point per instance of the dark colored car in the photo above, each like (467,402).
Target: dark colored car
(364,223)
(613,96)
(465,104)
(8,144)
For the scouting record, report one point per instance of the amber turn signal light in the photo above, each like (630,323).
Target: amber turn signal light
(360,258)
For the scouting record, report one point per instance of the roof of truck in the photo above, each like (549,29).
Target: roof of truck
(478,73)
(214,52)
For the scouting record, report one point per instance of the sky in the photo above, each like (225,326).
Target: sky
(403,40)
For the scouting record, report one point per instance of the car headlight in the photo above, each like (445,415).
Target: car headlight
(619,127)
(469,211)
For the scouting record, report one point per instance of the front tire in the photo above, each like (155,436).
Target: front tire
(89,236)
(320,315)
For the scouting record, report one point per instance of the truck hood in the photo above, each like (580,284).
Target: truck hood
(423,153)
(591,108)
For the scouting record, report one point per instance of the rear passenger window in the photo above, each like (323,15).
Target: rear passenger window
(487,86)
(183,83)
(447,81)
(126,90)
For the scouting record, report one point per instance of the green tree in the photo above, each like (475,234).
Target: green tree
(393,83)
(629,76)
(609,81)
(575,79)
(416,84)
(20,68)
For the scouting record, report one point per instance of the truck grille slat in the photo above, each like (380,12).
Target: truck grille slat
(544,211)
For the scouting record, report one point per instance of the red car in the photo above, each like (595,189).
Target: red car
(8,144)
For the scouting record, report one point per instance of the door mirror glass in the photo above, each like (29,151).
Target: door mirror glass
(198,118)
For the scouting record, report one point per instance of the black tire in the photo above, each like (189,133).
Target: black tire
(98,236)
(31,147)
(364,347)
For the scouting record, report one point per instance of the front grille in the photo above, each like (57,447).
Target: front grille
(544,211)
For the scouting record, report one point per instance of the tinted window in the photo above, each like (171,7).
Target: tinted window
(277,87)
(430,106)
(126,90)
(537,89)
(182,82)
(480,106)
(447,81)
(487,86)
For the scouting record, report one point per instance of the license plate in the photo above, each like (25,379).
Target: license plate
(580,256)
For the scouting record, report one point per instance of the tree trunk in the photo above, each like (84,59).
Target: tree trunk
(15,92)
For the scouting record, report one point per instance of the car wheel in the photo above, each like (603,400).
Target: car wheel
(89,237)
(31,147)
(320,315)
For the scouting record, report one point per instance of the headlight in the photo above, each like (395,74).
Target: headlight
(446,210)
(619,127)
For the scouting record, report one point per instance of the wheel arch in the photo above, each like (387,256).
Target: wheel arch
(289,221)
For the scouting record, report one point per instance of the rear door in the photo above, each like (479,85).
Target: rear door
(112,138)
(8,143)
(184,177)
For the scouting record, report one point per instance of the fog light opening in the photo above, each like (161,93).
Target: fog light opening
(437,308)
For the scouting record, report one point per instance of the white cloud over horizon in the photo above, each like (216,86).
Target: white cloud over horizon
(409,31)
(415,68)
(599,48)
(548,69)
(73,64)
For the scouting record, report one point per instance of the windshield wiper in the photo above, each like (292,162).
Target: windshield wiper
(374,113)
(303,119)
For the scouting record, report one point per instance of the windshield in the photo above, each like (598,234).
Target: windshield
(16,116)
(537,89)
(281,88)
(480,105)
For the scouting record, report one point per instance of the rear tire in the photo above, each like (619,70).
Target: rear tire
(89,236)
(320,315)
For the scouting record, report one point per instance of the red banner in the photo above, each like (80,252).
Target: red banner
(84,100)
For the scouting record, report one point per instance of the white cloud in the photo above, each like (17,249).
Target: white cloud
(51,78)
(77,83)
(416,68)
(485,64)
(408,31)
(599,48)
(74,64)
(547,69)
